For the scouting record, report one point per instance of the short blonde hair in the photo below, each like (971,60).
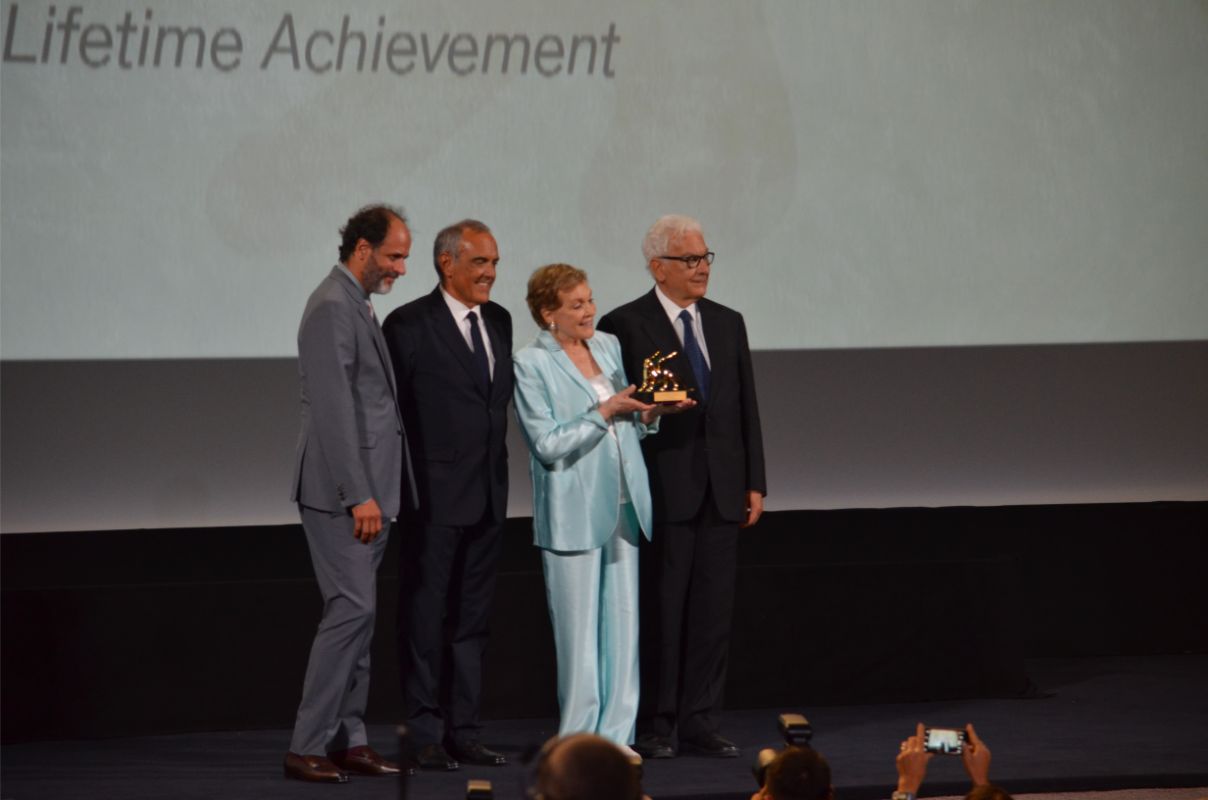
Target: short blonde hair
(546,284)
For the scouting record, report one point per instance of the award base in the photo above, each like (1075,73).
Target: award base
(661,398)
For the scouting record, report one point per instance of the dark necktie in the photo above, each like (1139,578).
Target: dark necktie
(695,357)
(481,364)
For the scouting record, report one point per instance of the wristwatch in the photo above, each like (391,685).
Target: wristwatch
(902,796)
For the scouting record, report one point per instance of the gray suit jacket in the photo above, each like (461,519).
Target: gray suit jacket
(352,445)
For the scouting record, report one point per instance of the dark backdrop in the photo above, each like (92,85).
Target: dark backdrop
(129,632)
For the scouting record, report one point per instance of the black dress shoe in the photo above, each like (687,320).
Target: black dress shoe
(710,745)
(475,753)
(316,769)
(654,747)
(434,756)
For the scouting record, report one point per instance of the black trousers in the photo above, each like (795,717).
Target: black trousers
(447,583)
(687,601)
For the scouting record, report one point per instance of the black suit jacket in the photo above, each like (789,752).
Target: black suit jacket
(719,443)
(455,431)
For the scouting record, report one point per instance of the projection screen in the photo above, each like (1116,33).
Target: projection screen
(932,175)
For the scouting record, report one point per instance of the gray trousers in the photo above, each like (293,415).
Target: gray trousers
(336,689)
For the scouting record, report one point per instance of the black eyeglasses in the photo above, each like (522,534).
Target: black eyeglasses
(691,262)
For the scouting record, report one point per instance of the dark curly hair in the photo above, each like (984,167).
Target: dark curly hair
(369,223)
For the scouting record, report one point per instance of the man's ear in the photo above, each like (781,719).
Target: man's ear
(656,269)
(359,255)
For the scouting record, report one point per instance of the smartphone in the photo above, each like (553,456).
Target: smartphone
(946,741)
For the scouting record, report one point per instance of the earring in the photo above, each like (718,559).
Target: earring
(553,326)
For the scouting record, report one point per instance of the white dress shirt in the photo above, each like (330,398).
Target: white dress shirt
(673,314)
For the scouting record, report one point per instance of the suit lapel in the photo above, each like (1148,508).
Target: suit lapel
(611,369)
(718,341)
(657,326)
(379,343)
(446,332)
(360,302)
(565,364)
(493,336)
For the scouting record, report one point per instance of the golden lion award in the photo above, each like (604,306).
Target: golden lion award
(659,384)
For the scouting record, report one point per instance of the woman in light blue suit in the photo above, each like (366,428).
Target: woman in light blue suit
(591,500)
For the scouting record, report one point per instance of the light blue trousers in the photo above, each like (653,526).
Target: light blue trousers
(593,605)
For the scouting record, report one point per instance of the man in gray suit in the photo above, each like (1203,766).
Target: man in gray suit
(347,484)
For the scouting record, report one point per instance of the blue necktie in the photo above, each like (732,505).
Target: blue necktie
(695,357)
(481,364)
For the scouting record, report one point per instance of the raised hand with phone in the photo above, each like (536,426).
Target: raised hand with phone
(915,751)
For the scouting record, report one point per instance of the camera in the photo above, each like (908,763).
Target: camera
(795,730)
(945,741)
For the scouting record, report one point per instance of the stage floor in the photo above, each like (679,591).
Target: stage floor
(1109,723)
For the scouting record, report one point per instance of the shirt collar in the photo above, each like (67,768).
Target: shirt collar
(672,308)
(340,266)
(457,308)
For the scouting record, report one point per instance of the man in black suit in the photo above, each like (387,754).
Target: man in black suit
(452,357)
(707,479)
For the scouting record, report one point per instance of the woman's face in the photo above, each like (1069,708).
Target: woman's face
(575,319)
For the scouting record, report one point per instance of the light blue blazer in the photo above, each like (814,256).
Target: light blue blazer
(575,466)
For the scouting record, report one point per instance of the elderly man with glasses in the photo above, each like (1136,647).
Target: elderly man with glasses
(707,481)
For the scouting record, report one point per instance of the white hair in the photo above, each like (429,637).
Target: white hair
(666,228)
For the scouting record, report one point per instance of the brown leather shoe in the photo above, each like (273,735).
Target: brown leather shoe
(316,769)
(363,760)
